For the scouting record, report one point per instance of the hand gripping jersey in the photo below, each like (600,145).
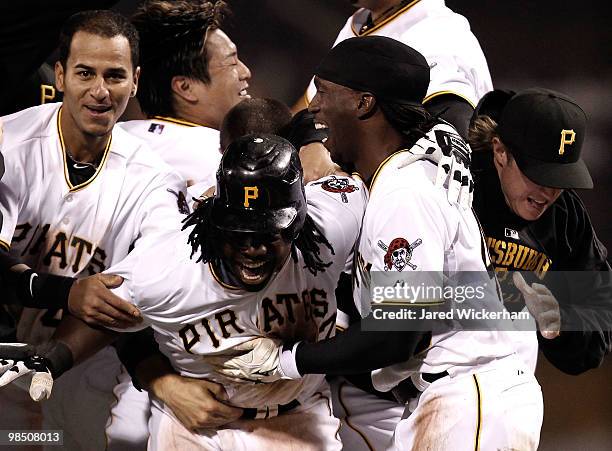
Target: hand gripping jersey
(194,314)
(409,225)
(190,149)
(79,230)
(458,65)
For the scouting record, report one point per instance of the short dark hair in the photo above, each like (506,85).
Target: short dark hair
(103,23)
(261,115)
(172,37)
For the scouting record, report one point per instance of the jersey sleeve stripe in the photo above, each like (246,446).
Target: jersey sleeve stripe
(6,246)
(385,21)
(441,93)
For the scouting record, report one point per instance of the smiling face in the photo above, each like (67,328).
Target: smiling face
(334,107)
(97,83)
(253,258)
(524,197)
(228,77)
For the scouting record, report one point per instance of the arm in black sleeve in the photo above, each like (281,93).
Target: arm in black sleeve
(453,109)
(355,351)
(140,354)
(585,297)
(22,286)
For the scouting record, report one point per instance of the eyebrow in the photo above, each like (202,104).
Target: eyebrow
(114,70)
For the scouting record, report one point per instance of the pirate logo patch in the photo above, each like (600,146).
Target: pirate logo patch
(338,185)
(181,201)
(399,253)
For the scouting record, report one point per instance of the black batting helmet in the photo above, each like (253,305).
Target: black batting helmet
(260,187)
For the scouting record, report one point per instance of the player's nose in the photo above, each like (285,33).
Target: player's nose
(99,89)
(245,72)
(253,248)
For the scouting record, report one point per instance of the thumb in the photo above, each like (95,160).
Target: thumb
(520,283)
(549,334)
(218,391)
(111,280)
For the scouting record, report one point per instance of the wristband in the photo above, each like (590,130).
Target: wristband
(58,358)
(287,362)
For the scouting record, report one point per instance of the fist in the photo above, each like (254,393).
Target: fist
(542,304)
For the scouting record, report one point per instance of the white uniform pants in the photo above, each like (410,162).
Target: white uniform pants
(368,421)
(309,427)
(127,428)
(496,407)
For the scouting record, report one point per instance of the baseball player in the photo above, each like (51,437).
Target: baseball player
(459,71)
(472,391)
(127,427)
(527,165)
(459,78)
(76,197)
(260,258)
(191,77)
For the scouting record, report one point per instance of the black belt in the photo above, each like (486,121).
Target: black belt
(268,411)
(406,390)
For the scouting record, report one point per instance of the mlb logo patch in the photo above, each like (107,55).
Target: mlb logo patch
(156,128)
(511,234)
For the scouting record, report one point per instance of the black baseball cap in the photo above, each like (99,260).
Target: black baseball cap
(383,66)
(545,130)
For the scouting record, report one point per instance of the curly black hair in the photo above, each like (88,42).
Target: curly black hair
(205,238)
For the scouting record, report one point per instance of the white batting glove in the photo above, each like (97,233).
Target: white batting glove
(460,183)
(262,360)
(30,372)
(542,304)
(453,169)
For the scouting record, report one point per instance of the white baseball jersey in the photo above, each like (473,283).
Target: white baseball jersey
(190,149)
(195,314)
(407,211)
(80,230)
(458,65)
(77,231)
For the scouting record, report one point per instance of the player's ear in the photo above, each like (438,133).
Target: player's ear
(59,76)
(500,152)
(183,87)
(366,106)
(135,82)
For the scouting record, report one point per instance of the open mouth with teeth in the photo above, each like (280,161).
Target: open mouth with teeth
(254,272)
(244,93)
(537,204)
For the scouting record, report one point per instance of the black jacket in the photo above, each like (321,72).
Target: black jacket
(562,250)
